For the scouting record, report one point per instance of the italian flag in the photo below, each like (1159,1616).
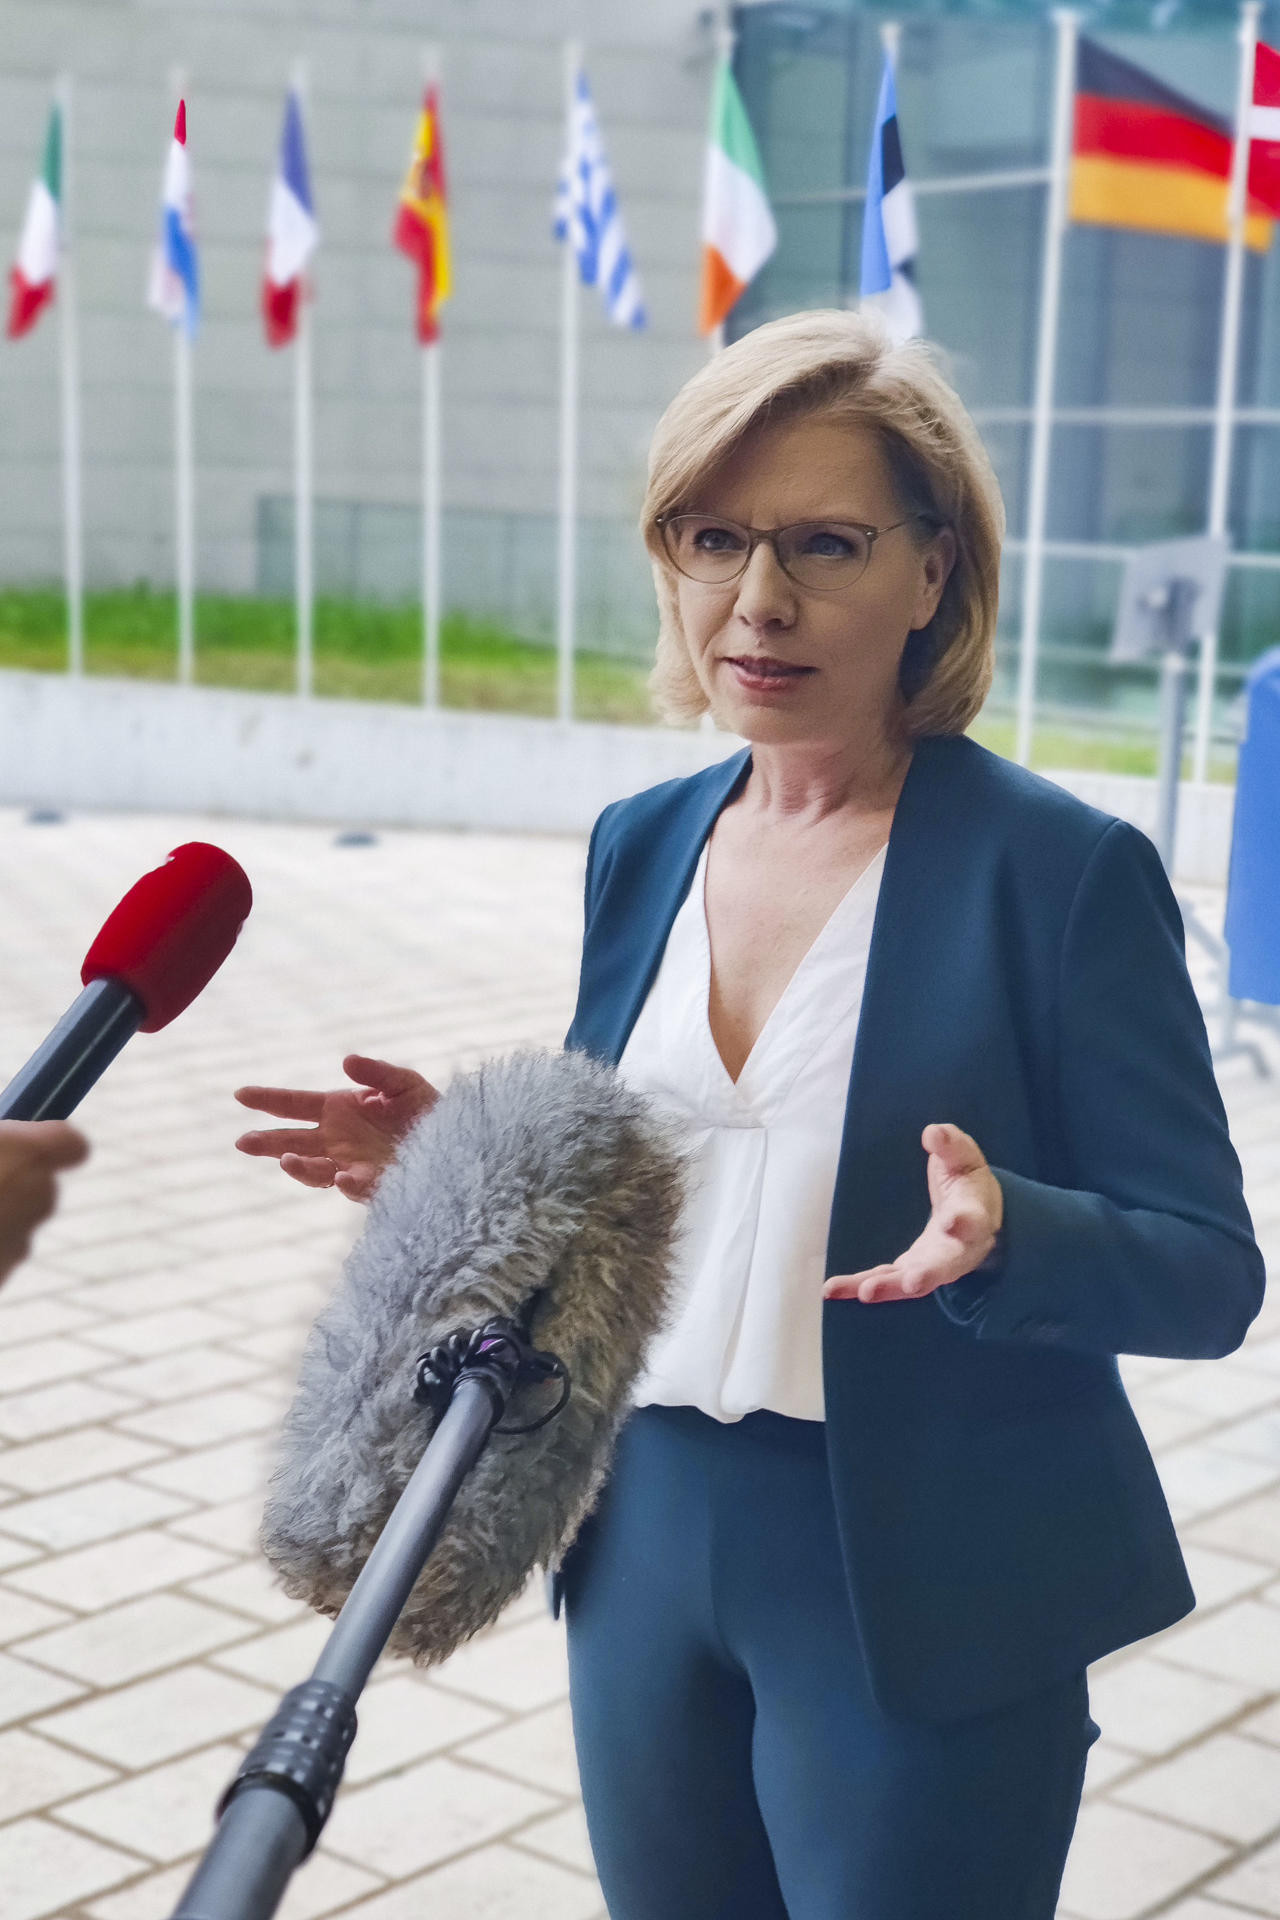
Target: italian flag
(31,278)
(738,231)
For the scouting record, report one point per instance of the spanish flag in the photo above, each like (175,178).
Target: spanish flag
(422,220)
(1146,157)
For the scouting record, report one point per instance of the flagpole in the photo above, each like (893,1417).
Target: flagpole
(72,521)
(432,544)
(566,558)
(303,469)
(1228,362)
(1067,23)
(431,517)
(184,501)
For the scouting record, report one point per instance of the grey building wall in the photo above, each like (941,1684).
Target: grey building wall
(502,97)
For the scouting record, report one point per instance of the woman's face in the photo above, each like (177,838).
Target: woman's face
(843,646)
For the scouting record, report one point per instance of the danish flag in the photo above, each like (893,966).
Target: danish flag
(1264,129)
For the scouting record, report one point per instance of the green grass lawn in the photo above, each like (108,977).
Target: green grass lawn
(370,652)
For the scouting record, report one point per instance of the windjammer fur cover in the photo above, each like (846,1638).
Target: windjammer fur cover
(542,1170)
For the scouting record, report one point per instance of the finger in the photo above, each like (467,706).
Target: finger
(50,1143)
(309,1171)
(285,1103)
(859,1286)
(276,1141)
(958,1151)
(357,1183)
(381,1075)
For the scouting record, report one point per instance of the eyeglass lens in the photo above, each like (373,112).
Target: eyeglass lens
(815,554)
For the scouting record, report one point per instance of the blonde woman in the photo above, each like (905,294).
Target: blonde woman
(926,1021)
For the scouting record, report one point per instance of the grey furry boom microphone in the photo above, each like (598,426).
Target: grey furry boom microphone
(539,1189)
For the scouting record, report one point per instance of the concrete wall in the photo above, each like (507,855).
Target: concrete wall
(130,745)
(503,86)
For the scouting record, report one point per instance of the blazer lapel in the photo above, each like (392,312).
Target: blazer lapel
(625,950)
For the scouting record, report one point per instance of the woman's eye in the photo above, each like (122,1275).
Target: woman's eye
(716,540)
(825,544)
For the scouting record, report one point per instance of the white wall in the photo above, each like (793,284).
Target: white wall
(130,745)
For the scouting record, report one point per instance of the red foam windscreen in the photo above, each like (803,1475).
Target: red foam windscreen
(173,930)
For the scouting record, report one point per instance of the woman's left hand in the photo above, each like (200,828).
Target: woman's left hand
(968,1209)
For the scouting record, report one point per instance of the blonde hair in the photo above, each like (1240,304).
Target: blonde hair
(844,366)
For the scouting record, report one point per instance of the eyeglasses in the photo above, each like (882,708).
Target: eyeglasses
(820,555)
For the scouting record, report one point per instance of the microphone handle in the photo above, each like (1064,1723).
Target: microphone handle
(79,1050)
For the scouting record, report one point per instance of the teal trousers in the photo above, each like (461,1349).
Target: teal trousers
(734,1763)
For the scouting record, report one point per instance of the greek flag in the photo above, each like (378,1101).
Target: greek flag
(889,242)
(587,214)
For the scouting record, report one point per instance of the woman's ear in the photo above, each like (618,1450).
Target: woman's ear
(937,560)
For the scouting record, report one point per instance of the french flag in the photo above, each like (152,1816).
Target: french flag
(292,233)
(174,289)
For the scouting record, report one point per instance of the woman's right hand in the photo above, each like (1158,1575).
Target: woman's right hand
(356,1129)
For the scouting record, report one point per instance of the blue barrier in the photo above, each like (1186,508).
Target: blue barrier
(1252,927)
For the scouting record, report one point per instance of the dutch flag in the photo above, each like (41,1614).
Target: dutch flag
(889,242)
(174,288)
(292,233)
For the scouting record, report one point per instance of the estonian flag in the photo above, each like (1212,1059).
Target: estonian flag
(889,240)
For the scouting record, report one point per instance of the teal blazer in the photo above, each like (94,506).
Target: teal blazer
(1000,1516)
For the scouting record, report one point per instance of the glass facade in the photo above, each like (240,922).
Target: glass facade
(1140,314)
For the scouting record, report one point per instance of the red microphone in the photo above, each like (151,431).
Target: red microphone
(155,952)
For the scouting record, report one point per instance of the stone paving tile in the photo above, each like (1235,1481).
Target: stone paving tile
(420,1817)
(158,1719)
(35,1773)
(101,1576)
(26,1690)
(123,1643)
(44,1869)
(166,1307)
(162,1814)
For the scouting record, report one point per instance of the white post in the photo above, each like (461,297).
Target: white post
(303,465)
(184,500)
(566,559)
(1228,361)
(431,517)
(72,518)
(432,509)
(1066,21)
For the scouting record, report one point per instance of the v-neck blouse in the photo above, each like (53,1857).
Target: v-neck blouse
(746,1329)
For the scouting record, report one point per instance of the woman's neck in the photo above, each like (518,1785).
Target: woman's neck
(802,784)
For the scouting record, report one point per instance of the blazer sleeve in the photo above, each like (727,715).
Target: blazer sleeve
(1149,1248)
(588,904)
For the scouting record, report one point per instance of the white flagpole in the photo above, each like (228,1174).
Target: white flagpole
(566,568)
(431,517)
(1067,23)
(1228,362)
(184,501)
(431,481)
(72,520)
(303,466)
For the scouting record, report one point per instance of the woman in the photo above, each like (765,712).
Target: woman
(927,1021)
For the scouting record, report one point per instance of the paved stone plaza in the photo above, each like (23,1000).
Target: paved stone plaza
(146,1355)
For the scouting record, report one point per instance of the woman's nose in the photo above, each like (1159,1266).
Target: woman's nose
(764,591)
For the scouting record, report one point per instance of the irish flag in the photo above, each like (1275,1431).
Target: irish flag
(33,274)
(738,231)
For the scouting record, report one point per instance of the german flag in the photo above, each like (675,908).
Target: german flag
(1146,157)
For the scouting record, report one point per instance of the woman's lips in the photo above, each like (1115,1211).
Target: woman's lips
(761,671)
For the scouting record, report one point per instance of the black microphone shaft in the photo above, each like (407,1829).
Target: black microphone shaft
(78,1051)
(262,1836)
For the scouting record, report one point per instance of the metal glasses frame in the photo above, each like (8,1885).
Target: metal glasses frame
(772,535)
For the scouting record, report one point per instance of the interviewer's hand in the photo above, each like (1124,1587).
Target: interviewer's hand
(356,1131)
(968,1209)
(31,1153)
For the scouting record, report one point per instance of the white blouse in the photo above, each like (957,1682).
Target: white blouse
(746,1330)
